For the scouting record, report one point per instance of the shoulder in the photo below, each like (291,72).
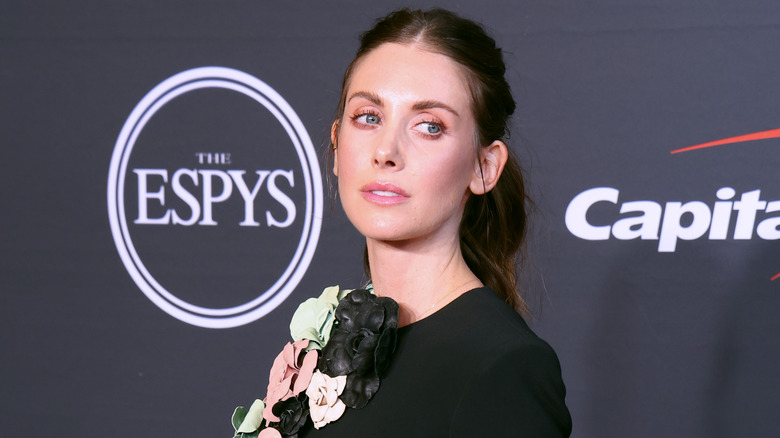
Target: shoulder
(481,320)
(515,387)
(519,393)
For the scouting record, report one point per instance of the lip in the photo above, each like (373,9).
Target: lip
(383,193)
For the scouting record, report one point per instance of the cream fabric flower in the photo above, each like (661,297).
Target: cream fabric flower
(324,403)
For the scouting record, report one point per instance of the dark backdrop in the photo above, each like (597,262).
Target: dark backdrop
(653,341)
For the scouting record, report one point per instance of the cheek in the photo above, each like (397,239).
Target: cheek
(344,167)
(453,174)
(348,177)
(346,156)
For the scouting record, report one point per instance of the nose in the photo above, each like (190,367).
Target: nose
(387,153)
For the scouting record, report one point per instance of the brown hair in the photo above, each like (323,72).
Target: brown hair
(493,226)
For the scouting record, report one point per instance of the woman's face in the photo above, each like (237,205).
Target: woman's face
(405,155)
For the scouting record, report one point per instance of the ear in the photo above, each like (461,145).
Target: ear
(334,142)
(490,164)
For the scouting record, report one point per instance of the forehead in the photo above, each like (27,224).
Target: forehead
(409,72)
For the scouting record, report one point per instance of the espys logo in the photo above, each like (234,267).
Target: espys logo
(215,197)
(674,221)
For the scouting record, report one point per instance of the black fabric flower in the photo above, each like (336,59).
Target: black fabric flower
(361,345)
(292,414)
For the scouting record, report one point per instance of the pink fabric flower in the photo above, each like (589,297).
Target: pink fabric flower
(269,432)
(290,374)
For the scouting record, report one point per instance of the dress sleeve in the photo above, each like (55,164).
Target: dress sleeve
(517,393)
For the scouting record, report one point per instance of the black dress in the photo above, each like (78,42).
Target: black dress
(472,369)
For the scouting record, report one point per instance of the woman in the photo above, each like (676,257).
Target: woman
(424,174)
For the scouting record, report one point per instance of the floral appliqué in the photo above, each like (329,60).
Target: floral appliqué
(343,342)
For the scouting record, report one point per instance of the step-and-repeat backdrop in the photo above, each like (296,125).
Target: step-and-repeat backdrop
(165,206)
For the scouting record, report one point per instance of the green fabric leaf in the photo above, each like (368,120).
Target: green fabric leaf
(238,417)
(314,319)
(253,418)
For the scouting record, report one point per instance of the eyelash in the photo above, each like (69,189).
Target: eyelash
(430,121)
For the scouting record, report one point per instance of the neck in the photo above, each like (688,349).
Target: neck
(422,278)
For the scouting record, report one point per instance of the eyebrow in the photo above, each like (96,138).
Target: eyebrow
(418,106)
(428,104)
(369,96)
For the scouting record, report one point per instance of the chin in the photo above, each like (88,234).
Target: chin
(392,234)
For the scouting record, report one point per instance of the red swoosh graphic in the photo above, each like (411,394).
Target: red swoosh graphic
(772,133)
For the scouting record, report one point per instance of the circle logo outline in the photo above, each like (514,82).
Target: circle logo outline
(259,91)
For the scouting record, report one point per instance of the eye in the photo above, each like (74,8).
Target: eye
(368,119)
(429,128)
(433,128)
